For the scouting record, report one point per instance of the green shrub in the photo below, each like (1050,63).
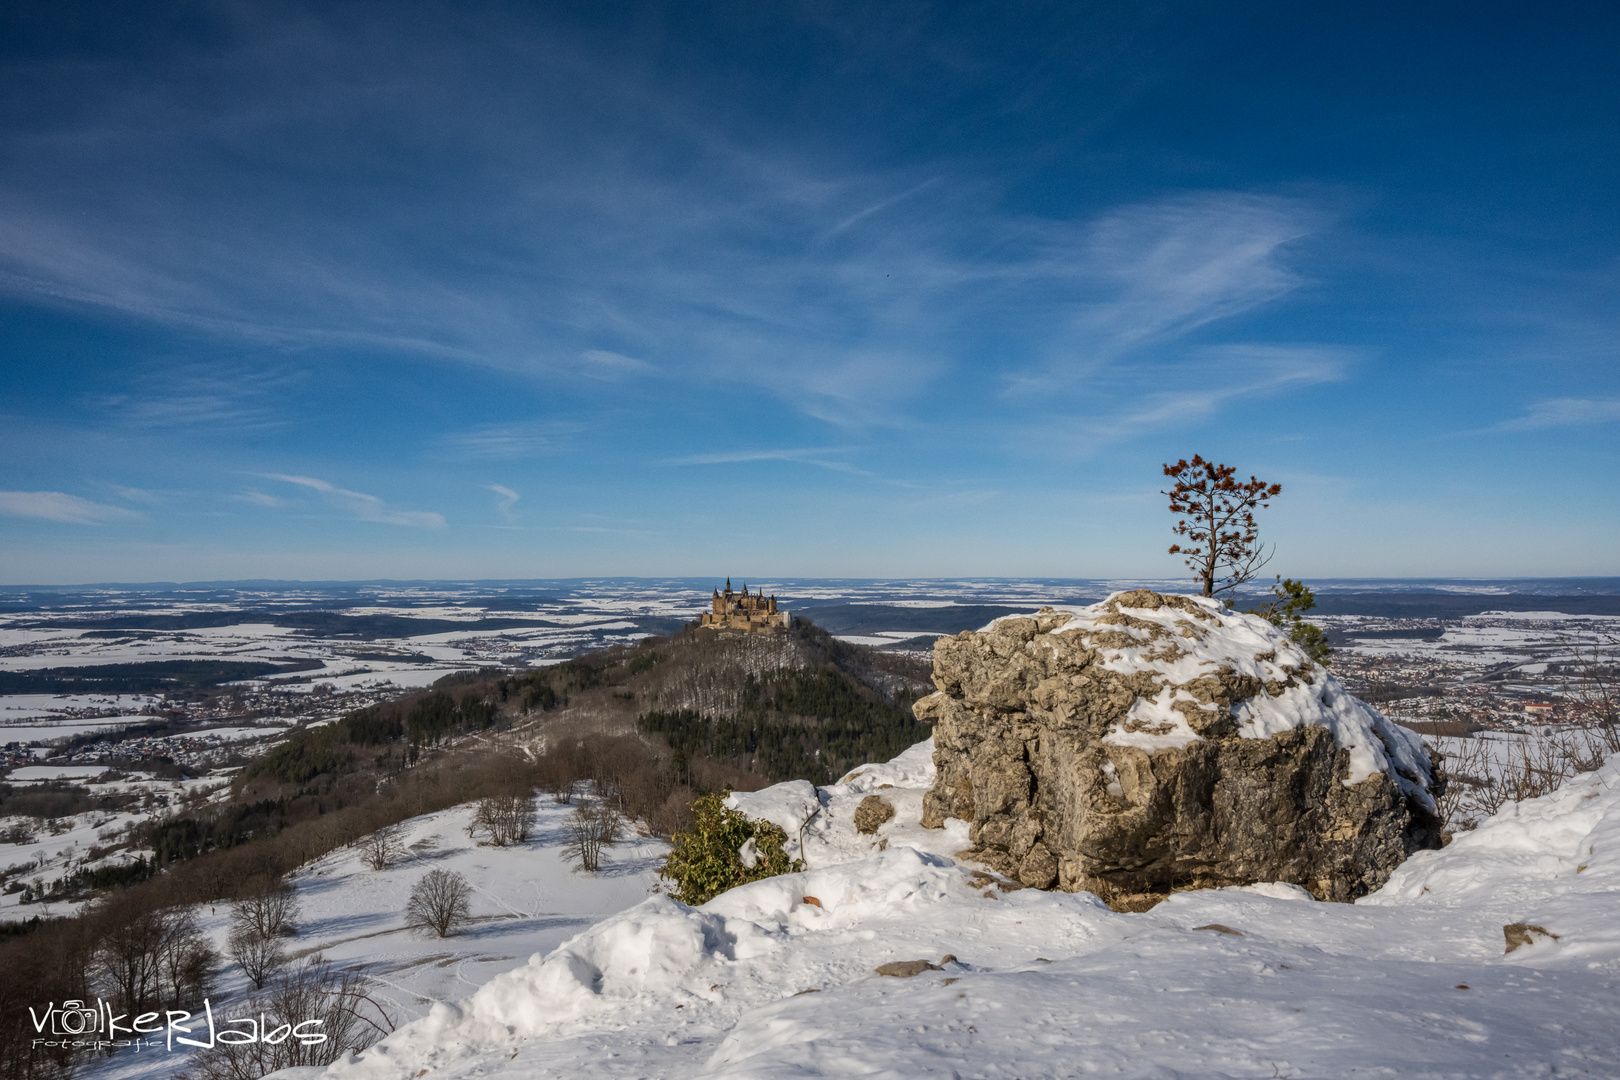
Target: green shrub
(1291,599)
(703,861)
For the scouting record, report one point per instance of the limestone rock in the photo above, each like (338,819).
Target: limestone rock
(873,811)
(1156,742)
(1520,934)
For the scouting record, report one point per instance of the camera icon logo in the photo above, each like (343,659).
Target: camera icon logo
(75,1018)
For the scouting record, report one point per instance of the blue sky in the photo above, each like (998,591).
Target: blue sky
(507,290)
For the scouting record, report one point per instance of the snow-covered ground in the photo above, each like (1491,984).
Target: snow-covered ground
(527,899)
(777,978)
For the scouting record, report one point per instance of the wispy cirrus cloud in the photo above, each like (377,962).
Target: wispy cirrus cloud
(1191,260)
(604,366)
(1205,382)
(60,506)
(821,457)
(1564,412)
(505,500)
(1146,276)
(840,291)
(194,395)
(360,505)
(830,290)
(496,442)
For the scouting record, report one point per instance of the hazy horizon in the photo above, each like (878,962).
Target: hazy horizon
(1591,584)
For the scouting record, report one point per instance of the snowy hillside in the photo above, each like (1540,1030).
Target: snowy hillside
(526,898)
(777,978)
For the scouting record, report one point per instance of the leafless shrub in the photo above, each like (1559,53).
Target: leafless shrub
(269,909)
(439,904)
(1535,764)
(1594,695)
(594,825)
(381,849)
(17,833)
(1538,767)
(312,998)
(186,961)
(1467,768)
(258,956)
(503,819)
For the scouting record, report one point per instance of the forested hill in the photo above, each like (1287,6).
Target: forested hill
(716,708)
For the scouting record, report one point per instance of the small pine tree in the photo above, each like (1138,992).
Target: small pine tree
(1290,599)
(1218,522)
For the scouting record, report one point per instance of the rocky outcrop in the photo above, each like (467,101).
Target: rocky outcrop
(1153,742)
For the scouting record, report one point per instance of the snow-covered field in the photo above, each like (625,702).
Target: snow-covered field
(406,644)
(1527,639)
(777,979)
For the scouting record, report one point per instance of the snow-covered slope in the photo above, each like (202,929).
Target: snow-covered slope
(776,979)
(525,898)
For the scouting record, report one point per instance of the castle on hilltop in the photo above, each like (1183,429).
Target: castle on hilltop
(754,612)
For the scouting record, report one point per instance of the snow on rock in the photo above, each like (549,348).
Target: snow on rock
(1180,646)
(824,818)
(788,806)
(912,769)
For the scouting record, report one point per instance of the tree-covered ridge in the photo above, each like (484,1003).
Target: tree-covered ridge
(800,704)
(795,725)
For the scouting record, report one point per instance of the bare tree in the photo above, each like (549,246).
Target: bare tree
(592,826)
(258,956)
(185,958)
(269,909)
(311,999)
(1218,522)
(504,819)
(383,848)
(439,903)
(128,950)
(1594,695)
